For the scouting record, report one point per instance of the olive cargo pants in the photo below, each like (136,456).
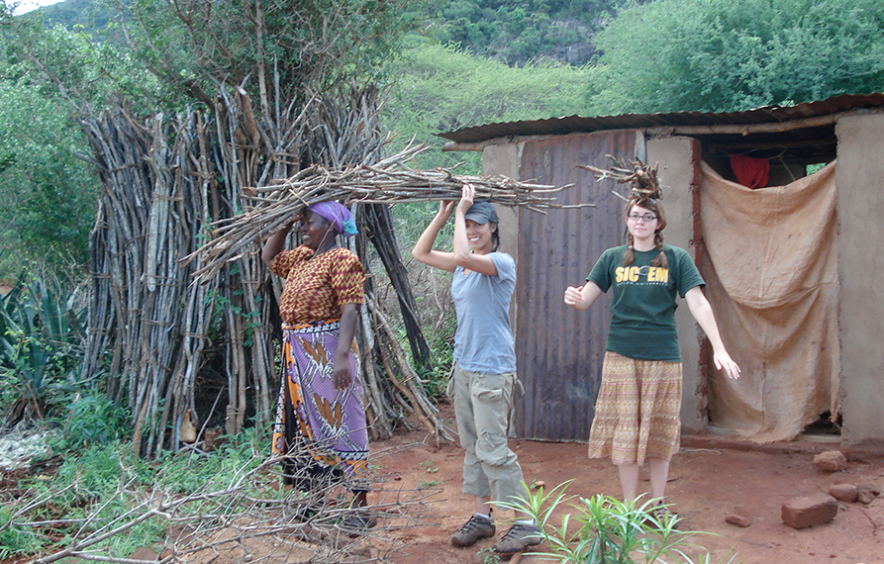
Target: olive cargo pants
(482,405)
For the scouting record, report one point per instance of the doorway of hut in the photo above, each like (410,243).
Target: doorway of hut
(769,258)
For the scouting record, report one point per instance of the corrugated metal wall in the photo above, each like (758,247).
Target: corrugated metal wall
(559,350)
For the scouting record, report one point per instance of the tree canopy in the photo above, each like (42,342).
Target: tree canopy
(517,31)
(720,55)
(440,88)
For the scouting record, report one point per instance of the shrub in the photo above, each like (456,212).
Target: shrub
(604,530)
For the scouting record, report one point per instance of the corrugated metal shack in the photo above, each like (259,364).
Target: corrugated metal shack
(560,351)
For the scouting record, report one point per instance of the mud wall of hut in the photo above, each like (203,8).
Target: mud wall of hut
(679,162)
(860,205)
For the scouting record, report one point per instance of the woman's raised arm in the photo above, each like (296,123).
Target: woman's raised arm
(274,245)
(423,250)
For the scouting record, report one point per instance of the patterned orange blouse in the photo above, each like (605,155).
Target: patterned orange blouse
(317,287)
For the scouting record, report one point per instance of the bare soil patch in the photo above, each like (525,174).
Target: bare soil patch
(709,479)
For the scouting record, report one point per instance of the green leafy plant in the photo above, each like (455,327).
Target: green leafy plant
(488,556)
(15,540)
(91,418)
(429,466)
(41,335)
(604,530)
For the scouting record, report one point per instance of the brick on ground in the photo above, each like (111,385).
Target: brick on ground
(803,512)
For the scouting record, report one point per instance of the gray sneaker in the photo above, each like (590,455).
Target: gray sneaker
(518,538)
(473,530)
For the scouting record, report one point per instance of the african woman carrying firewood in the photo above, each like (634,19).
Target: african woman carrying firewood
(637,414)
(320,424)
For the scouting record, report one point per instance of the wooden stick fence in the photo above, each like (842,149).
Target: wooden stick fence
(159,335)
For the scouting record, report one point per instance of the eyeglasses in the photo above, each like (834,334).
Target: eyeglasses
(647,217)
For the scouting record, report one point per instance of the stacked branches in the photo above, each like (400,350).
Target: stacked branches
(387,182)
(164,182)
(642,179)
(156,197)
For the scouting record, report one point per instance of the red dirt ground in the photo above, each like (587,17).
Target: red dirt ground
(709,479)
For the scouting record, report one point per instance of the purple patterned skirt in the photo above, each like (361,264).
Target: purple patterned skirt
(316,425)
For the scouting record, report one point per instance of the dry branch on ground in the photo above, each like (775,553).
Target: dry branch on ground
(241,519)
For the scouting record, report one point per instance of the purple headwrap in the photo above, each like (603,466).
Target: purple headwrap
(336,213)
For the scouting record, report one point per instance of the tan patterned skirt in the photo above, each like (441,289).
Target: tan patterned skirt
(637,411)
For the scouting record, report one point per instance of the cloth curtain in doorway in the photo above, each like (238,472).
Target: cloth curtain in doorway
(771,266)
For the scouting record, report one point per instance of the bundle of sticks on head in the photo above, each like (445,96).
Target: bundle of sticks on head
(270,208)
(642,179)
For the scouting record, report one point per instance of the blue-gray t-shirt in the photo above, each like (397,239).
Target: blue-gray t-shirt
(484,341)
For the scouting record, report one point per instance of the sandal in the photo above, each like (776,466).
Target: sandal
(357,523)
(664,517)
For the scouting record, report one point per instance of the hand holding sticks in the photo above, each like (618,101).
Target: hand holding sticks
(389,181)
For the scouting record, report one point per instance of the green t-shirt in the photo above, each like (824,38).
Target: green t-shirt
(644,305)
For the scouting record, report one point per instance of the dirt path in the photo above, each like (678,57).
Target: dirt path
(709,479)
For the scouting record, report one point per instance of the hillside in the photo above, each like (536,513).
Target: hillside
(71,13)
(514,32)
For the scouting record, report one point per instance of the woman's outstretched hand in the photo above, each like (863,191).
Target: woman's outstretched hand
(573,296)
(726,364)
(581,298)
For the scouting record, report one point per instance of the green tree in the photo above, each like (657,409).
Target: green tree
(270,49)
(441,88)
(47,195)
(47,191)
(719,55)
(518,31)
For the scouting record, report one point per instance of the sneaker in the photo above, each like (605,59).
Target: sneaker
(357,523)
(476,528)
(518,538)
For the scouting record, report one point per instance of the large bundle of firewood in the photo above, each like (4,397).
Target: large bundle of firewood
(389,181)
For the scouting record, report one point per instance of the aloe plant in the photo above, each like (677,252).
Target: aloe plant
(41,338)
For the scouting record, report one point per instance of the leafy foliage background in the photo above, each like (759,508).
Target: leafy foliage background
(462,63)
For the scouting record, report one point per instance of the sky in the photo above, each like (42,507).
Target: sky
(28,5)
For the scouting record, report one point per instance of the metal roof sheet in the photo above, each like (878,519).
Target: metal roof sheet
(572,124)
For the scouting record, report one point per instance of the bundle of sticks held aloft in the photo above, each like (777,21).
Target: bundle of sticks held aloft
(270,208)
(642,179)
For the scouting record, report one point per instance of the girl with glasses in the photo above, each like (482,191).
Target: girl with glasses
(637,414)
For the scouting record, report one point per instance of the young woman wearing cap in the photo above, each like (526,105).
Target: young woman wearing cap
(637,411)
(484,363)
